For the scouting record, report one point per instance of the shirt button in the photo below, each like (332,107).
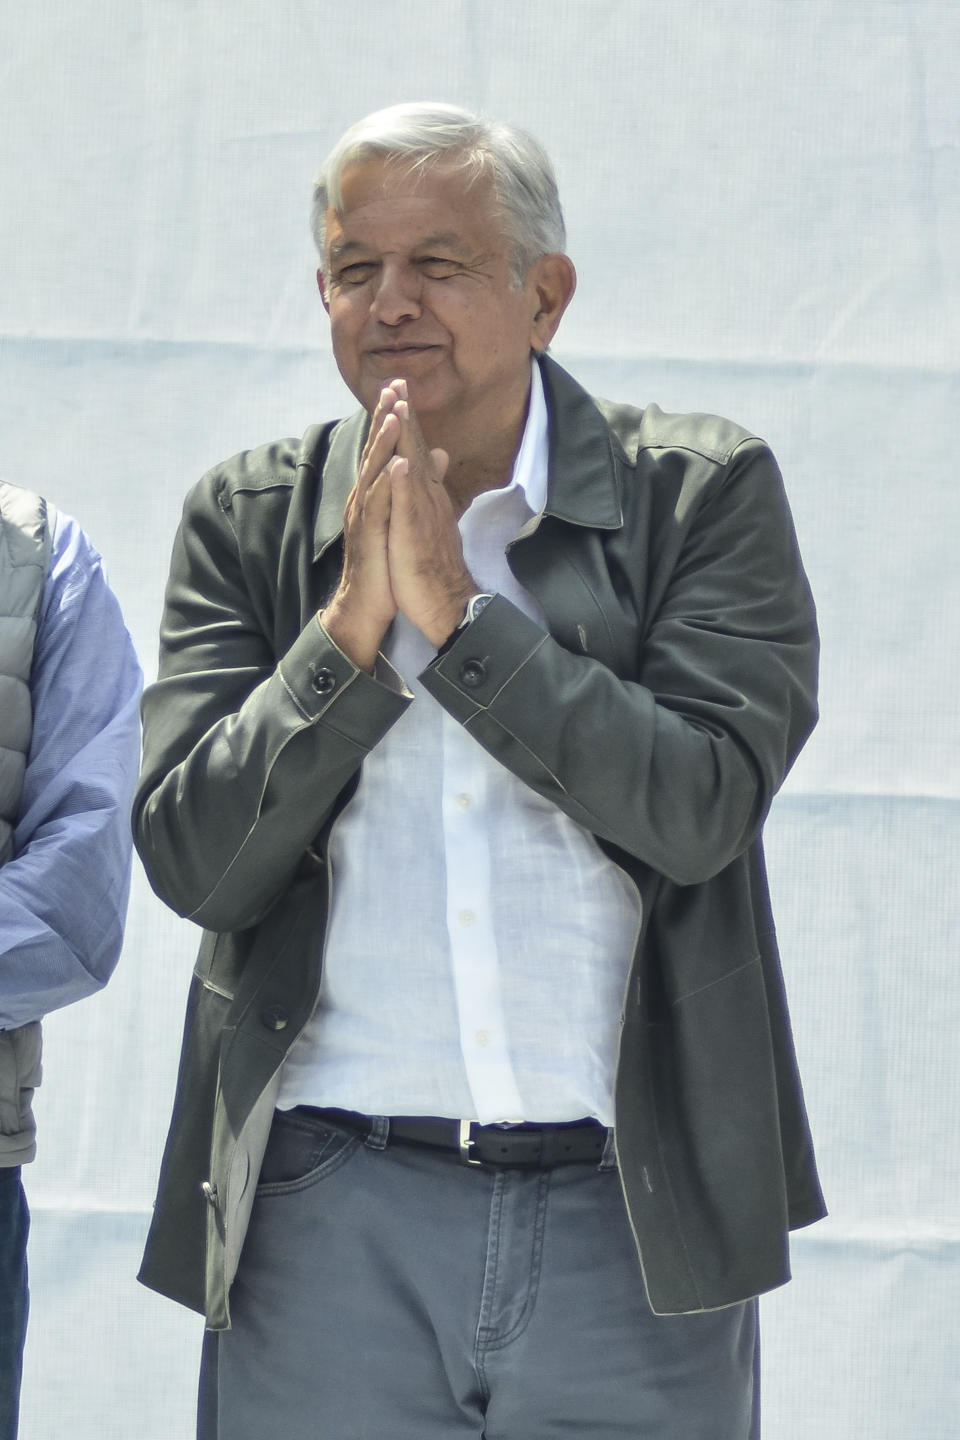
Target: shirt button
(464,802)
(323,681)
(466,917)
(473,673)
(482,1038)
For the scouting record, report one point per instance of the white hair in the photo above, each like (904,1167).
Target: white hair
(420,133)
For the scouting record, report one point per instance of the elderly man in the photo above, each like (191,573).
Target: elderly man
(471,708)
(69,747)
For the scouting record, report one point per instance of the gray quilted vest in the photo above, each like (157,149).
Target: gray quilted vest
(26,525)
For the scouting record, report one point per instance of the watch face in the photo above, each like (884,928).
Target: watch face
(476,605)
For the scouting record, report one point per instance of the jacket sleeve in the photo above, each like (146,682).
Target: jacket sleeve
(675,763)
(245,752)
(63,895)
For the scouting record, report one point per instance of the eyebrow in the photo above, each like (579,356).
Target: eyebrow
(347,247)
(445,239)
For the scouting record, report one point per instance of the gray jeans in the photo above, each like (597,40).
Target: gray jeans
(388,1292)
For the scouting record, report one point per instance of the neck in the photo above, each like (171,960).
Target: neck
(480,459)
(469,476)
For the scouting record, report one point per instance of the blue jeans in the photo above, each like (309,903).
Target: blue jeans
(14,1296)
(388,1290)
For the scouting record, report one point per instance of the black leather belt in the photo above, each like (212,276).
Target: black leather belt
(531,1147)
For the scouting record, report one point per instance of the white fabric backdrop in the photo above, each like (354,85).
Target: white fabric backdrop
(764,207)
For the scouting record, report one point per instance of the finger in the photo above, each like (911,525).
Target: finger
(387,398)
(412,446)
(376,504)
(370,512)
(375,422)
(384,407)
(411,434)
(397,470)
(385,403)
(441,461)
(369,498)
(379,451)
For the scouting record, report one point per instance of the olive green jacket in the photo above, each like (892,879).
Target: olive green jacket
(662,712)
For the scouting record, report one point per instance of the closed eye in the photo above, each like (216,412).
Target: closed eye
(356,274)
(437,267)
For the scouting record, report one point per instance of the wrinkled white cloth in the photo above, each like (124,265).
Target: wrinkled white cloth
(479,940)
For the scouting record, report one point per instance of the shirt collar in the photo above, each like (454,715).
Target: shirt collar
(528,480)
(530,466)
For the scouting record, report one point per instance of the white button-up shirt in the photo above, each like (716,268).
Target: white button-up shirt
(479,939)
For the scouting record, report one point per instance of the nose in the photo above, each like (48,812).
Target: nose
(397,295)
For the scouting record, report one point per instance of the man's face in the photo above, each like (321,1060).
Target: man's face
(419,287)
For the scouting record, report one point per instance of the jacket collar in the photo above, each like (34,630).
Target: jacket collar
(340,467)
(582,482)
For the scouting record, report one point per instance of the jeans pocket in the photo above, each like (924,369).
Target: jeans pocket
(302,1150)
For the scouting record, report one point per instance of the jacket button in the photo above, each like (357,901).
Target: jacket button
(274,1017)
(209,1191)
(323,681)
(473,673)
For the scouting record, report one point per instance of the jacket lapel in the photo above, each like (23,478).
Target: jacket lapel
(582,484)
(561,559)
(340,467)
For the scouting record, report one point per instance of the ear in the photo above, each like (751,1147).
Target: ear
(322,287)
(554,280)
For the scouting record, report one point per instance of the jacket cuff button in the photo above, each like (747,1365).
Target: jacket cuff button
(473,673)
(274,1017)
(323,681)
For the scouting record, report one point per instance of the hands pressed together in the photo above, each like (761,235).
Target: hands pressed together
(402,549)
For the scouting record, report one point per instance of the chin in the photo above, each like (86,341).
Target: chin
(428,394)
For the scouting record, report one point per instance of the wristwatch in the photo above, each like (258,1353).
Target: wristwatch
(475,605)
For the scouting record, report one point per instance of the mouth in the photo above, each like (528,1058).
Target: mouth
(398,351)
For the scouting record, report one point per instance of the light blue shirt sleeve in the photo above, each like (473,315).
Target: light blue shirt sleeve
(63,894)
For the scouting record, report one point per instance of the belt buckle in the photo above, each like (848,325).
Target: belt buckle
(467,1142)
